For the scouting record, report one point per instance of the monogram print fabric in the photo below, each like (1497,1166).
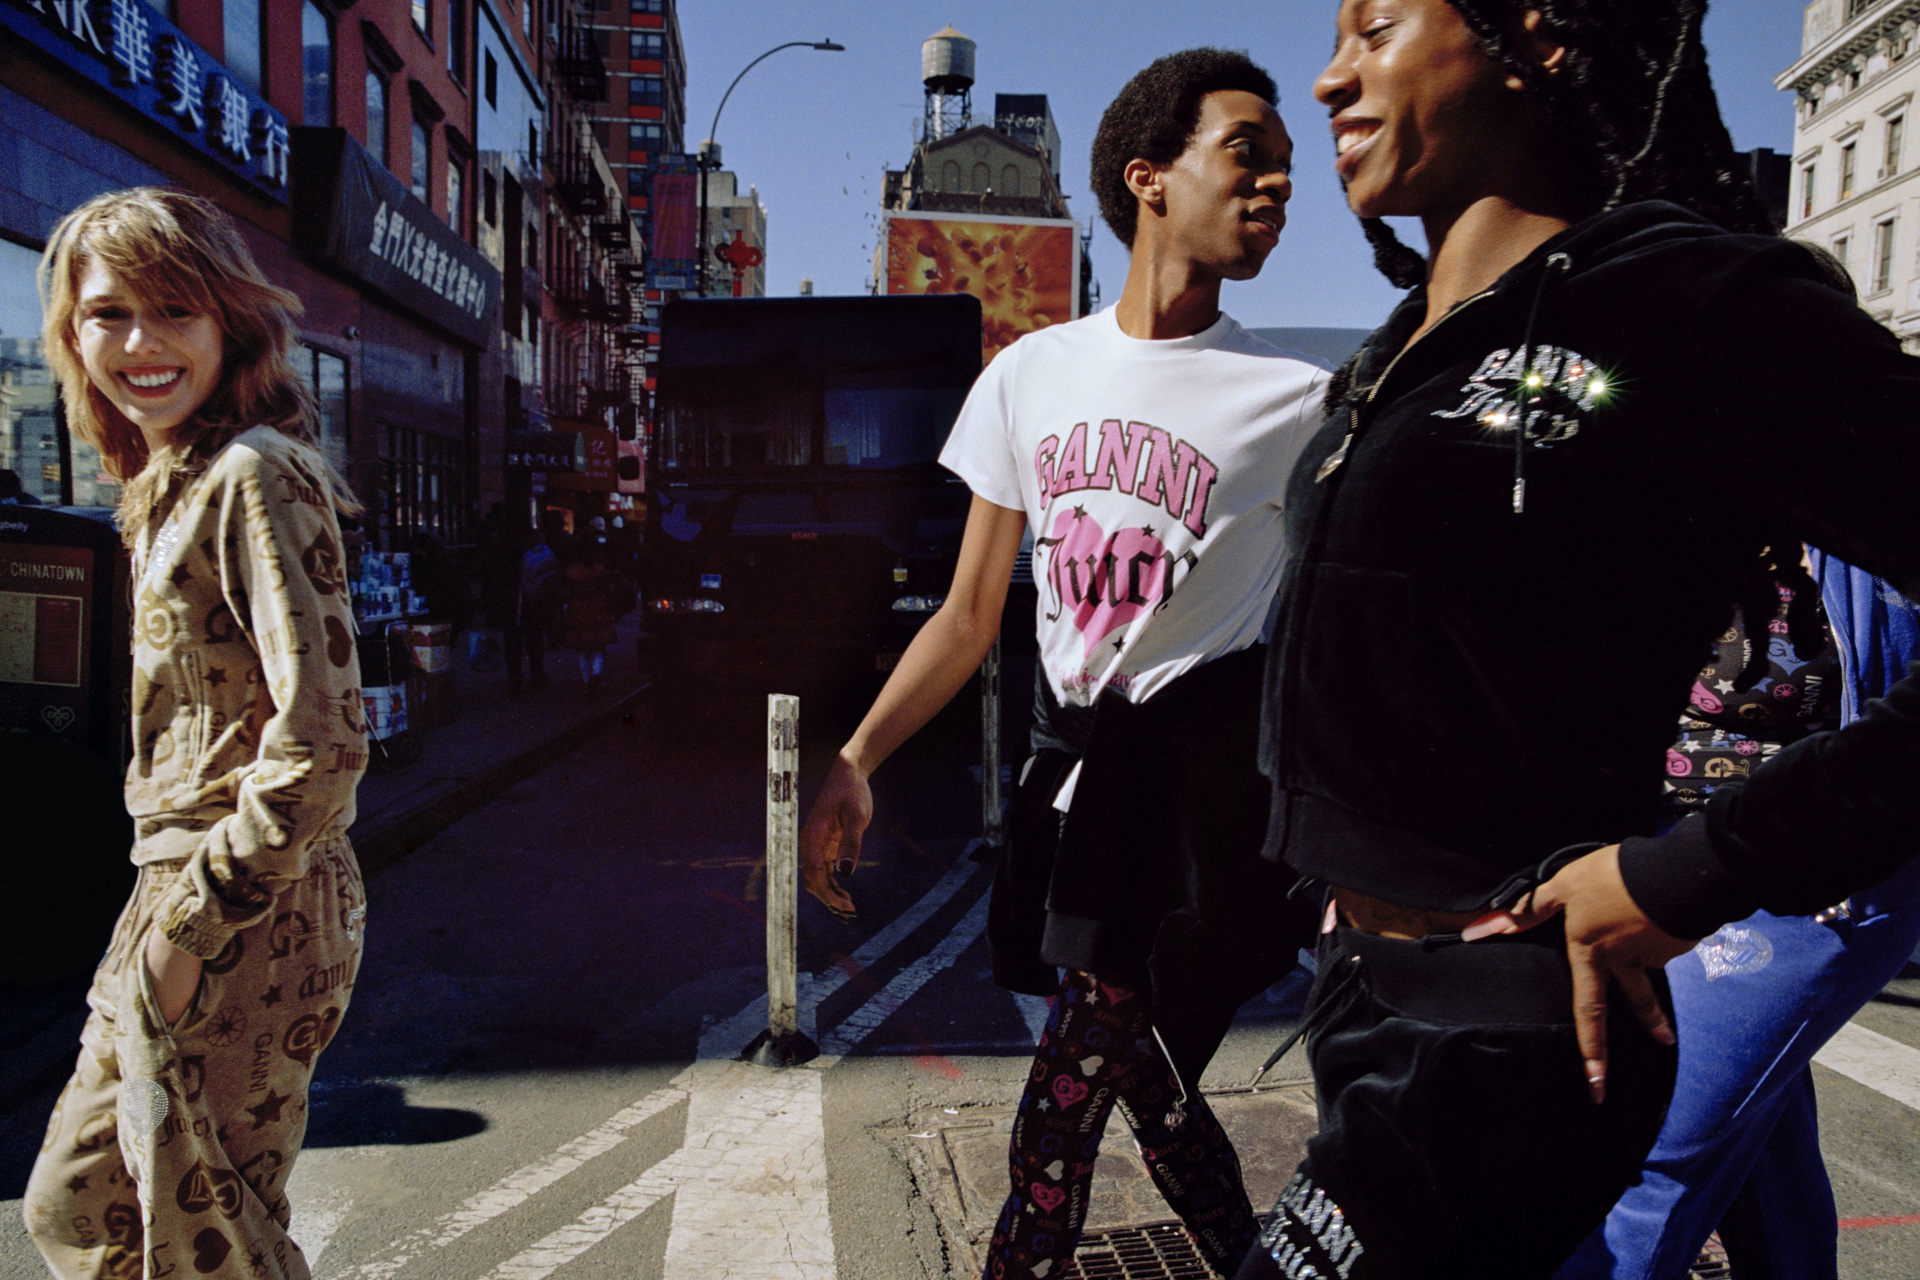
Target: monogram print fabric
(247,723)
(1098,1051)
(1726,732)
(169,1151)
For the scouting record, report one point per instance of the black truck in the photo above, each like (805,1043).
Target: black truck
(799,525)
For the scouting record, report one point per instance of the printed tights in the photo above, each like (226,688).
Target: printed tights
(1099,1051)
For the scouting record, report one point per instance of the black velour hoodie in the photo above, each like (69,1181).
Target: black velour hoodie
(1456,690)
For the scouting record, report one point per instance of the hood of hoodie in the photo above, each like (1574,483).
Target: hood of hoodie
(1458,687)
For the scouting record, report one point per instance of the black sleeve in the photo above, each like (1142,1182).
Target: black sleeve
(1809,413)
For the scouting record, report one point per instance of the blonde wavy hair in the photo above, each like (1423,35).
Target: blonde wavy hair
(175,248)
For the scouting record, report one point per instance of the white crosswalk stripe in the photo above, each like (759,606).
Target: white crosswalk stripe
(751,1178)
(1884,1065)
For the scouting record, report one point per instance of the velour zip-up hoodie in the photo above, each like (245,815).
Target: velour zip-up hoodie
(1457,688)
(249,736)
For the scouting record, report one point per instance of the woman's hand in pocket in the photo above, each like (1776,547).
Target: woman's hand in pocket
(175,974)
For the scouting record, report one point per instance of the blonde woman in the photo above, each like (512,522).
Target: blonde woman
(232,963)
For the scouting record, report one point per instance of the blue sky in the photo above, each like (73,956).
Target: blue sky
(814,130)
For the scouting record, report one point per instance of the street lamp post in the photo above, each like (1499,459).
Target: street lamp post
(709,158)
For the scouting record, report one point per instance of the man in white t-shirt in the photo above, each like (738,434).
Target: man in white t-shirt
(1148,447)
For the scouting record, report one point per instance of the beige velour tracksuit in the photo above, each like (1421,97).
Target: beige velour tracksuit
(168,1152)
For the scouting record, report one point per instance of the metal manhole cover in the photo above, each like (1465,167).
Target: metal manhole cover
(1157,1251)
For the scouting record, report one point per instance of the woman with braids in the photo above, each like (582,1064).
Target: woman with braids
(1564,451)
(235,958)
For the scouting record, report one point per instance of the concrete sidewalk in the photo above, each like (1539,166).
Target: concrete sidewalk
(493,742)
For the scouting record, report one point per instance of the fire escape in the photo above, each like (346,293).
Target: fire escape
(597,264)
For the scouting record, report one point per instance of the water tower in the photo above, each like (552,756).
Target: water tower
(946,68)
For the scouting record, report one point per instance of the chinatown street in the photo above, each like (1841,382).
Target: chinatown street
(536,1077)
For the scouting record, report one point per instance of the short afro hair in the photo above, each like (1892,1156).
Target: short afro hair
(1154,117)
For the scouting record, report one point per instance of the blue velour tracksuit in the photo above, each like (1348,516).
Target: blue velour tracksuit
(1754,1003)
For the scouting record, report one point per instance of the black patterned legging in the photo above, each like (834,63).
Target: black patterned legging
(1099,1051)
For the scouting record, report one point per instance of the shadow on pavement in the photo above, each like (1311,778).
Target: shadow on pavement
(353,1113)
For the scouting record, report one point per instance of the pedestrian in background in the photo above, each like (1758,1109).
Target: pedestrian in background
(233,962)
(539,575)
(1740,1147)
(590,600)
(1131,888)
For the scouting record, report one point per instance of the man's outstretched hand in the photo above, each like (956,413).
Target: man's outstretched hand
(1608,937)
(830,840)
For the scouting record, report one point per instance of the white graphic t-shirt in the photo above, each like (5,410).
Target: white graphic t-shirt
(1151,473)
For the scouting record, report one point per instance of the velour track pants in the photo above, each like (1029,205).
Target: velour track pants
(1457,1137)
(169,1151)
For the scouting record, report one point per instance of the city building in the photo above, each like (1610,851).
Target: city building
(341,141)
(1855,187)
(737,232)
(978,208)
(644,111)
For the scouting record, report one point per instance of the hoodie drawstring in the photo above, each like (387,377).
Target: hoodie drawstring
(1529,386)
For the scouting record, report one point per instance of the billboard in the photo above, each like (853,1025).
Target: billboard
(1025,271)
(674,251)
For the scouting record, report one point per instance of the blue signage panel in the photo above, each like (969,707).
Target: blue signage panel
(138,56)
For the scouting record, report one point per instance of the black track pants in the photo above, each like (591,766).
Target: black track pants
(1457,1137)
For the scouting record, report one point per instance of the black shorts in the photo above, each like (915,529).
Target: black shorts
(1457,1136)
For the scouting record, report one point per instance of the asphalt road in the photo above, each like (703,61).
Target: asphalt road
(534,1077)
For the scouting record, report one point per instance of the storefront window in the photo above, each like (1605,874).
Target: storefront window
(326,374)
(29,435)
(31,431)
(377,117)
(316,65)
(242,22)
(456,193)
(425,490)
(422,154)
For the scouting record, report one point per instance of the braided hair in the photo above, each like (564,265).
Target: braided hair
(1633,103)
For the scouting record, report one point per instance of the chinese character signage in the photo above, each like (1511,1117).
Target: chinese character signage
(1025,271)
(142,59)
(598,453)
(353,214)
(673,251)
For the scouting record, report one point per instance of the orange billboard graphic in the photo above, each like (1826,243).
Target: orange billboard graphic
(1025,271)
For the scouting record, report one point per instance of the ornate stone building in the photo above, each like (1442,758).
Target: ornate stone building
(1856,161)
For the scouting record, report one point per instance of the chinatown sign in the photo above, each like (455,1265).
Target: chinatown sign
(142,59)
(351,213)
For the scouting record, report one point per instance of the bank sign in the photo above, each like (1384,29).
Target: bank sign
(351,213)
(138,56)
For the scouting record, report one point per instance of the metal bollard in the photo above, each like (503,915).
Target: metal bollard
(782,1044)
(992,821)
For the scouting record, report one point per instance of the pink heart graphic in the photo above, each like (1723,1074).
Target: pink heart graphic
(1108,579)
(1049,1198)
(1067,1090)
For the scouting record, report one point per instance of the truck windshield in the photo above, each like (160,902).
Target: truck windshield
(827,384)
(877,427)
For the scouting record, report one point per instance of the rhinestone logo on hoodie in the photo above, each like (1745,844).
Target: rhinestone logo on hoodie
(1559,388)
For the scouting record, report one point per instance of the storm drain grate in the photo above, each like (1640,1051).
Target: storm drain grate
(1164,1251)
(1157,1251)
(1712,1263)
